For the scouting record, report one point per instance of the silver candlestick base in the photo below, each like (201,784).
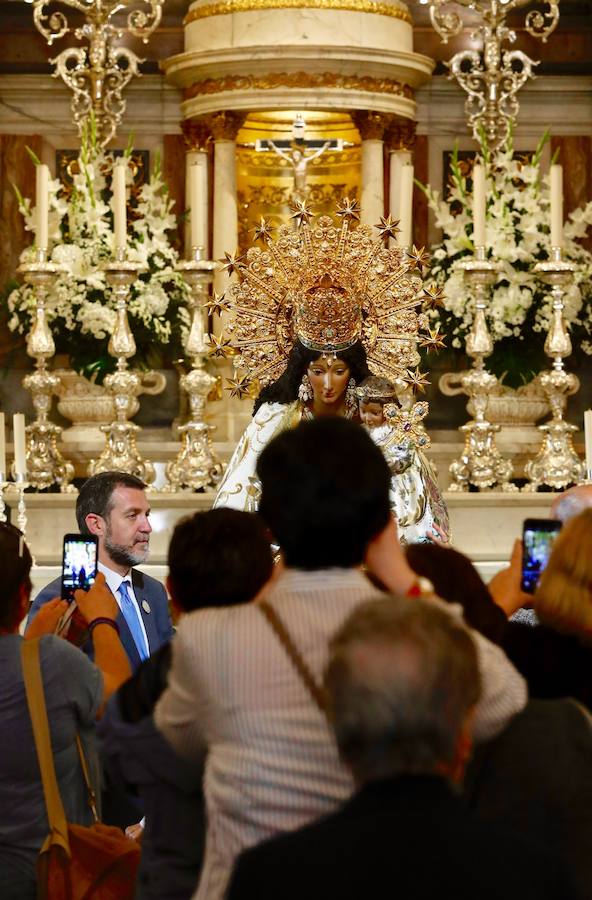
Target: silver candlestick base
(45,463)
(556,464)
(121,452)
(480,463)
(196,466)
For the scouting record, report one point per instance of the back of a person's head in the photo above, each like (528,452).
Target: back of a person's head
(563,599)
(401,680)
(325,493)
(572,502)
(456,580)
(15,567)
(96,495)
(220,557)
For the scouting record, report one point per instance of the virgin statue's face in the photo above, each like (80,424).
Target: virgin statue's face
(328,378)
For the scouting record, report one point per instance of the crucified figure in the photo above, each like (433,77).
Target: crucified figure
(299,161)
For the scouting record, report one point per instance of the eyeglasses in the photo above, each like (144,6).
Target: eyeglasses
(15,532)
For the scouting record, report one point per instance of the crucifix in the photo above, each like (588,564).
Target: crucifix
(299,152)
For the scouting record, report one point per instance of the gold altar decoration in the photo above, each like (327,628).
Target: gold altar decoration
(228,7)
(196,466)
(293,286)
(492,77)
(556,463)
(121,453)
(480,463)
(45,463)
(408,424)
(298,80)
(97,74)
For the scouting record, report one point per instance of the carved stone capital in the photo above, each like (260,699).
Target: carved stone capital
(196,133)
(224,126)
(371,125)
(401,134)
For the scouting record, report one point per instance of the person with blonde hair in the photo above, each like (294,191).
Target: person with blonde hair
(555,656)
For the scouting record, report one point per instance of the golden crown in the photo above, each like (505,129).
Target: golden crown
(329,285)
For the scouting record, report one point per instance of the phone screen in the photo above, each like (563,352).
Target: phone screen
(537,542)
(79,565)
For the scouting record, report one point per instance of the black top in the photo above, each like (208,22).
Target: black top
(410,837)
(554,665)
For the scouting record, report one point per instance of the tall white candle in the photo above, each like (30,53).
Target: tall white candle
(556,206)
(195,199)
(588,440)
(42,205)
(479,197)
(119,204)
(2,446)
(20,457)
(405,206)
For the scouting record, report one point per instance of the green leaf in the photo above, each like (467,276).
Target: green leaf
(33,155)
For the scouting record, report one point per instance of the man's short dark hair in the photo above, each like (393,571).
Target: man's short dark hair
(401,679)
(218,558)
(325,493)
(96,495)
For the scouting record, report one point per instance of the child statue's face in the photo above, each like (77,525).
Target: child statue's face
(371,413)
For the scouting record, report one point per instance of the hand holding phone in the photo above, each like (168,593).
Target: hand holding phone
(537,542)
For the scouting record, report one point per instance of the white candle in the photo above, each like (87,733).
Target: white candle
(20,457)
(42,204)
(478,205)
(119,204)
(195,199)
(405,206)
(2,447)
(588,440)
(556,206)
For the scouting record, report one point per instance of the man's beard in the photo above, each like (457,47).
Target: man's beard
(123,556)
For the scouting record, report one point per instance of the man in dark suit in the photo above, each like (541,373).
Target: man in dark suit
(401,686)
(113,505)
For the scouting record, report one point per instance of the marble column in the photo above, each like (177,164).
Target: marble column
(400,139)
(224,127)
(197,137)
(371,126)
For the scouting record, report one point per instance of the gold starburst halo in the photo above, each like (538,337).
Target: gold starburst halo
(433,296)
(232,263)
(301,213)
(419,258)
(241,386)
(264,230)
(388,227)
(327,283)
(221,346)
(349,210)
(433,340)
(417,380)
(217,304)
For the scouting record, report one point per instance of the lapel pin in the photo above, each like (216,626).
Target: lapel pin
(146,606)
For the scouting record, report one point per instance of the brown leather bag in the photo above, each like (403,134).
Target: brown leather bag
(75,862)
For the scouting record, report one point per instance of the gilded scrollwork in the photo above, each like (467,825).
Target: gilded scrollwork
(298,80)
(228,7)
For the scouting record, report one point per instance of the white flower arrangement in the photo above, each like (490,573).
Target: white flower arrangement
(80,305)
(517,236)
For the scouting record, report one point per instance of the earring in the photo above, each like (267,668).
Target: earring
(305,390)
(351,403)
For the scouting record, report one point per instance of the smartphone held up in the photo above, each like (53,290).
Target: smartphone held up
(79,564)
(537,541)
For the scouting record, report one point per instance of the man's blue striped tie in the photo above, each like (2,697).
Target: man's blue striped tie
(130,614)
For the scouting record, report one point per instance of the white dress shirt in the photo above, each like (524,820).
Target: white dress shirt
(114,580)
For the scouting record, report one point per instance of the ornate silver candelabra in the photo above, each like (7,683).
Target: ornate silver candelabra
(480,462)
(121,453)
(196,466)
(45,463)
(491,78)
(98,73)
(556,463)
